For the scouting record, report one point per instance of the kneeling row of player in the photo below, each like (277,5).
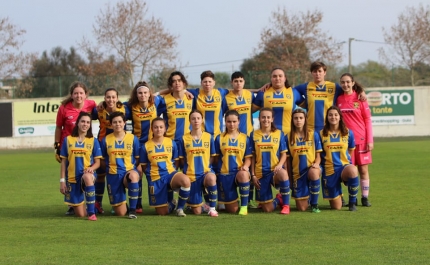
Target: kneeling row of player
(237,158)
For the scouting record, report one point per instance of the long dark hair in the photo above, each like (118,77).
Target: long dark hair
(118,103)
(231,112)
(293,127)
(357,87)
(272,125)
(342,127)
(71,89)
(134,100)
(75,131)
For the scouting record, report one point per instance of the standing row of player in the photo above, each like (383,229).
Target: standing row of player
(212,103)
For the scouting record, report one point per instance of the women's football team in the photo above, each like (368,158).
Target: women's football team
(186,150)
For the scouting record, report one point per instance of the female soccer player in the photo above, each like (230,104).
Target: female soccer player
(121,154)
(279,97)
(196,155)
(109,105)
(80,157)
(338,144)
(157,156)
(304,147)
(67,114)
(270,153)
(177,107)
(357,117)
(142,107)
(234,155)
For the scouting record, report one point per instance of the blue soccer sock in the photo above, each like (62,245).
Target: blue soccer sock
(276,202)
(244,193)
(212,195)
(133,193)
(284,189)
(90,199)
(314,189)
(183,195)
(251,191)
(139,195)
(99,190)
(353,186)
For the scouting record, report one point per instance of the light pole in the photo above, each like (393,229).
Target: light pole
(349,55)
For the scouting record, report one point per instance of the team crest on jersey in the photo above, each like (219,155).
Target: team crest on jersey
(169,149)
(217,99)
(206,144)
(242,145)
(309,143)
(223,144)
(187,146)
(330,90)
(128,146)
(275,140)
(189,106)
(288,96)
(150,152)
(89,146)
(248,100)
(345,139)
(170,107)
(356,105)
(267,96)
(230,104)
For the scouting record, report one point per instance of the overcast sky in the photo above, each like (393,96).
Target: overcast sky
(210,32)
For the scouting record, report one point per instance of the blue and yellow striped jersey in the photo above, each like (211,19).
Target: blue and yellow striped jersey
(79,155)
(159,159)
(232,152)
(282,103)
(335,151)
(197,154)
(318,99)
(243,106)
(103,117)
(120,156)
(303,153)
(141,119)
(211,107)
(267,151)
(176,115)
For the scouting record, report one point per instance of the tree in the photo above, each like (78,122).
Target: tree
(222,79)
(12,60)
(293,41)
(409,40)
(141,42)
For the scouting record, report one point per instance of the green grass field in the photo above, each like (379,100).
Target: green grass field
(395,230)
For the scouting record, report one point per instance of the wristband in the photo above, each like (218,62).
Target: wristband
(62,180)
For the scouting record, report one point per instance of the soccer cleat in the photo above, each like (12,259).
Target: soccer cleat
(279,197)
(243,210)
(252,204)
(70,211)
(221,206)
(365,202)
(98,207)
(180,213)
(213,213)
(285,209)
(206,208)
(139,210)
(315,209)
(352,207)
(92,217)
(132,215)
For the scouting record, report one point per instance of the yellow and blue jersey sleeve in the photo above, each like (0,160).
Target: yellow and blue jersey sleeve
(79,156)
(211,107)
(335,153)
(282,103)
(196,155)
(267,151)
(232,152)
(176,114)
(243,105)
(318,99)
(303,153)
(105,126)
(159,159)
(120,156)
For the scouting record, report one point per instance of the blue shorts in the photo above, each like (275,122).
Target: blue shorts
(265,194)
(331,185)
(300,189)
(157,190)
(116,188)
(75,195)
(227,188)
(197,187)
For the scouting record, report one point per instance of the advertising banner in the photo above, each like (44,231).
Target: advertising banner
(392,107)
